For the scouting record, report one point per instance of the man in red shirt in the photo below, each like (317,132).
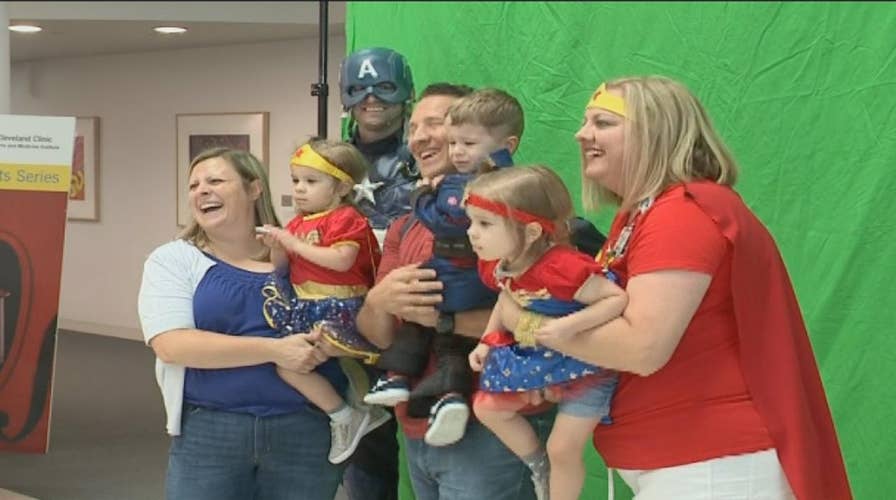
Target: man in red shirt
(479,465)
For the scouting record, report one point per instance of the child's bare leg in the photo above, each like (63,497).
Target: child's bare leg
(314,387)
(511,428)
(566,444)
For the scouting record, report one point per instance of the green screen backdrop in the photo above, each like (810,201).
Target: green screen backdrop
(803,94)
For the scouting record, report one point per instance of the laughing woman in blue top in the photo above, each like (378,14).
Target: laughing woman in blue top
(239,431)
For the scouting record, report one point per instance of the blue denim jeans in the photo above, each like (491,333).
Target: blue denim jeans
(477,466)
(223,455)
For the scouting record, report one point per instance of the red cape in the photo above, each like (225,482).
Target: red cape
(775,353)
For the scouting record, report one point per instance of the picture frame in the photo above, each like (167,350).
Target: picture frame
(84,193)
(197,132)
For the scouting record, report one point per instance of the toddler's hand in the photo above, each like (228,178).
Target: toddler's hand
(478,356)
(268,235)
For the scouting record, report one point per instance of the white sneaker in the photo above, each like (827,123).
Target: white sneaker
(447,421)
(345,436)
(388,391)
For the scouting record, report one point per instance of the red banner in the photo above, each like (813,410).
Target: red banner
(35,163)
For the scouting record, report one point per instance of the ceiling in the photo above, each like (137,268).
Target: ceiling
(94,28)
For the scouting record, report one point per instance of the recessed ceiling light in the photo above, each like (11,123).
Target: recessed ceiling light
(25,28)
(169,30)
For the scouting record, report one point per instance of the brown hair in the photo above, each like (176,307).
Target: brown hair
(491,108)
(343,156)
(250,170)
(446,89)
(535,189)
(669,138)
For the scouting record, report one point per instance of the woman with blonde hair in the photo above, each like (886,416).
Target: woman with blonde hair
(719,390)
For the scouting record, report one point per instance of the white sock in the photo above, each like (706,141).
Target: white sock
(342,414)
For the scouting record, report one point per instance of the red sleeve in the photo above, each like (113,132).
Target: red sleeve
(676,234)
(487,273)
(344,225)
(293,225)
(391,245)
(565,270)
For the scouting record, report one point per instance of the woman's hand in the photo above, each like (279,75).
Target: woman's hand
(552,330)
(477,357)
(299,353)
(410,293)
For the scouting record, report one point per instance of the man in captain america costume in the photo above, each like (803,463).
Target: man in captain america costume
(377,90)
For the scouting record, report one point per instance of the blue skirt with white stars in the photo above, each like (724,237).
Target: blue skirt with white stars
(289,314)
(520,368)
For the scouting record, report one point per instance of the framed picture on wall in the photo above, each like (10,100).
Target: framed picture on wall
(198,132)
(84,193)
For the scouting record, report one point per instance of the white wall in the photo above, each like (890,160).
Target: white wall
(136,97)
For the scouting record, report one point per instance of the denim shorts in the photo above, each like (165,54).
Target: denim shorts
(592,402)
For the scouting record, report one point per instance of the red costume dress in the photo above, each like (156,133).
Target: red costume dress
(743,377)
(317,293)
(518,364)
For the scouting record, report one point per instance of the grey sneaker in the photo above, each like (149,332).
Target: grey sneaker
(344,437)
(378,417)
(542,486)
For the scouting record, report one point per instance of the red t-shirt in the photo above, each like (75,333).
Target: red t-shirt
(558,274)
(399,249)
(697,406)
(341,226)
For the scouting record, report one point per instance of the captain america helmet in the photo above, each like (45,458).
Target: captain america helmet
(378,71)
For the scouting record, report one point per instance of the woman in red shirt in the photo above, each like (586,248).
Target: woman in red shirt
(720,394)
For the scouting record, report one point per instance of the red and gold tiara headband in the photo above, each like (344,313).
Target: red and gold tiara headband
(504,211)
(305,156)
(603,99)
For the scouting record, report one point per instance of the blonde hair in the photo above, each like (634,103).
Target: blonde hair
(343,156)
(491,108)
(535,189)
(250,170)
(669,138)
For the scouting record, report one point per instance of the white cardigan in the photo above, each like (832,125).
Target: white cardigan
(171,274)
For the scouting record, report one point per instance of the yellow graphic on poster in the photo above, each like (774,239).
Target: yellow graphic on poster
(38,160)
(77,190)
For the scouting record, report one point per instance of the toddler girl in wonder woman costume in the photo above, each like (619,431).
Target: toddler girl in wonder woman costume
(331,255)
(518,229)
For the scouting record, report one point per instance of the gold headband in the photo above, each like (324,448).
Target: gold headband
(603,99)
(305,156)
